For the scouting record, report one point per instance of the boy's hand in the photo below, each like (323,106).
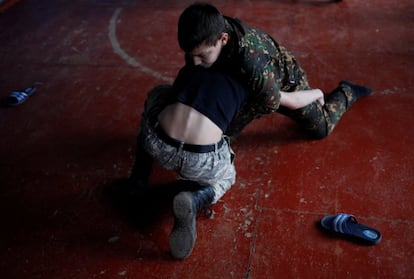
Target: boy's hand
(321,99)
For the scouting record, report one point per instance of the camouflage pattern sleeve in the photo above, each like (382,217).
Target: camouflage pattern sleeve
(261,70)
(265,67)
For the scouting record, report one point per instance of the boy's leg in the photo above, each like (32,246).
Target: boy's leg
(156,100)
(186,205)
(142,167)
(319,121)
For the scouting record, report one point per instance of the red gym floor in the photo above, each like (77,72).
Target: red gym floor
(65,151)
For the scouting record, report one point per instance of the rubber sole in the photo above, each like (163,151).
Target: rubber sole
(184,234)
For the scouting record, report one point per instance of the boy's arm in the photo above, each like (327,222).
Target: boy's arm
(300,99)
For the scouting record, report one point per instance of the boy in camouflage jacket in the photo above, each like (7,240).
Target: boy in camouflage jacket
(274,78)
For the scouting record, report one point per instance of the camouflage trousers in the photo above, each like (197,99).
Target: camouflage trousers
(215,168)
(316,119)
(320,120)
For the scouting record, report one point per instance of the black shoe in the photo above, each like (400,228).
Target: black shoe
(186,206)
(358,90)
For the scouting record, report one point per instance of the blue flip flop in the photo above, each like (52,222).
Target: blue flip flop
(18,97)
(347,225)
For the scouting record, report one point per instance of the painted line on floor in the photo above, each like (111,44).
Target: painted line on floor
(125,56)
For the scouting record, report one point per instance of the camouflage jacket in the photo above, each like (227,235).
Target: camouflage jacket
(264,67)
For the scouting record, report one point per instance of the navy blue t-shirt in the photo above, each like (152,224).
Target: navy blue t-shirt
(215,94)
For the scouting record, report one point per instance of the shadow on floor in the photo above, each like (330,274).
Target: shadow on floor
(143,209)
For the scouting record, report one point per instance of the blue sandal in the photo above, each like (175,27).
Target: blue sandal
(18,97)
(347,225)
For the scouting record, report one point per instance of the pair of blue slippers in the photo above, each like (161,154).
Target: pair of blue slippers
(346,225)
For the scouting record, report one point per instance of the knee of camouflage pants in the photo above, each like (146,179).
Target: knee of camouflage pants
(312,118)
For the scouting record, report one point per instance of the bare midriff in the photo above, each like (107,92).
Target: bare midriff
(184,123)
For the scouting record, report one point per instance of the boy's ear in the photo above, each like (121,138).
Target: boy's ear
(224,38)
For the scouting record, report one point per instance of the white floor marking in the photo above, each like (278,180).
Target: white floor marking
(125,56)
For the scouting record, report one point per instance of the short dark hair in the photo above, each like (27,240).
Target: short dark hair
(200,23)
